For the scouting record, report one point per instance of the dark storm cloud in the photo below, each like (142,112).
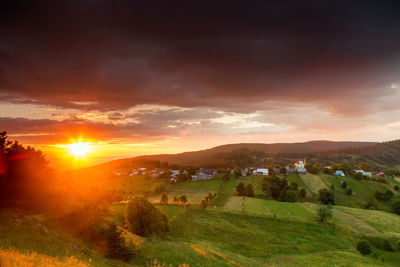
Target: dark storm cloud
(232,56)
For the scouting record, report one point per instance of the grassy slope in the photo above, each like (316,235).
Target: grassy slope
(33,240)
(199,238)
(232,231)
(257,232)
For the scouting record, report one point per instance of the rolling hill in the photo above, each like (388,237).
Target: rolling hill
(245,154)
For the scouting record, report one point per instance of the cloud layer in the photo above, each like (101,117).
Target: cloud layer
(118,54)
(211,71)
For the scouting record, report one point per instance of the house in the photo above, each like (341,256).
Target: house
(204,174)
(380,174)
(276,170)
(339,173)
(290,170)
(260,171)
(244,172)
(363,173)
(300,167)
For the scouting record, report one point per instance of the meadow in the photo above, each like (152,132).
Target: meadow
(232,231)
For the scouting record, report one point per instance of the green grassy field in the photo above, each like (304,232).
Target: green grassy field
(231,231)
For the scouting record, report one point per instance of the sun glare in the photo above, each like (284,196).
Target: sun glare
(79,149)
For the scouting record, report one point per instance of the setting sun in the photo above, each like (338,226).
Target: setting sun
(79,149)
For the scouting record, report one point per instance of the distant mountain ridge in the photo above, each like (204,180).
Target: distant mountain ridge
(250,152)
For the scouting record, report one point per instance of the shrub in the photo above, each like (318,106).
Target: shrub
(326,197)
(249,190)
(183,199)
(388,195)
(364,248)
(290,196)
(349,191)
(303,193)
(396,207)
(387,246)
(344,184)
(144,219)
(203,203)
(114,242)
(241,189)
(324,212)
(396,187)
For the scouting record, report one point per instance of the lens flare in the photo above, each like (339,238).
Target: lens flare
(79,149)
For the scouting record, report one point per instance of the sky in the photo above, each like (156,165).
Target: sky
(150,77)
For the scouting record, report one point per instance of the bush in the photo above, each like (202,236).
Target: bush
(290,196)
(396,187)
(241,189)
(387,246)
(144,219)
(344,184)
(249,190)
(326,197)
(324,213)
(203,203)
(349,191)
(303,193)
(114,243)
(388,195)
(396,207)
(183,199)
(364,248)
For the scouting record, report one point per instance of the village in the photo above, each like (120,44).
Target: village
(300,167)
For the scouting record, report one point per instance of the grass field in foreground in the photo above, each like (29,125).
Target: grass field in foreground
(199,238)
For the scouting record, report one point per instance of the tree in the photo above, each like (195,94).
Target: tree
(364,248)
(175,199)
(164,198)
(203,203)
(396,207)
(273,186)
(344,184)
(237,172)
(364,166)
(115,243)
(326,196)
(387,246)
(324,212)
(240,189)
(249,190)
(183,199)
(144,219)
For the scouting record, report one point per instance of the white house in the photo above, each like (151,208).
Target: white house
(260,171)
(364,173)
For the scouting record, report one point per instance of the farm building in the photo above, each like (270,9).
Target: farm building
(364,173)
(339,173)
(260,171)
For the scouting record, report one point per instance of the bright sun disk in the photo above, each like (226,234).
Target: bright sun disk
(79,149)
